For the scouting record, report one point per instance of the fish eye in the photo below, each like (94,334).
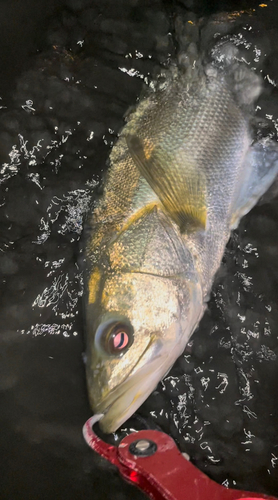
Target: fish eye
(115,337)
(118,338)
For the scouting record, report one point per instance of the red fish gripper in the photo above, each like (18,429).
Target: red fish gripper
(151,460)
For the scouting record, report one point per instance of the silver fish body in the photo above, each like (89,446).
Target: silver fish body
(183,172)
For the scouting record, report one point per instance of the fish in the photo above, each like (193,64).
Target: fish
(186,167)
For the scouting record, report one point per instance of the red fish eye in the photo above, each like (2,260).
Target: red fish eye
(120,340)
(114,337)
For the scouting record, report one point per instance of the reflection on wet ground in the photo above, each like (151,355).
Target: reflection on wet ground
(63,100)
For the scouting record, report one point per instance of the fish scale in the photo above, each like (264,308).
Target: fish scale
(217,112)
(183,172)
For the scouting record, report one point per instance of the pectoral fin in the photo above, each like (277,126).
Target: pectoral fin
(181,190)
(261,169)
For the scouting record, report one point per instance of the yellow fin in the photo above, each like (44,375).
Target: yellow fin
(94,283)
(181,190)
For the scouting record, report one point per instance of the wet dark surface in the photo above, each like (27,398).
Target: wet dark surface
(69,72)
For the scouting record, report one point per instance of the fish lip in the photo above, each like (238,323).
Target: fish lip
(103,407)
(106,405)
(129,398)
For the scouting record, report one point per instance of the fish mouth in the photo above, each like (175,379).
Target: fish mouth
(121,403)
(153,365)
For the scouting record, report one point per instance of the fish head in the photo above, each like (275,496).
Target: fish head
(138,327)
